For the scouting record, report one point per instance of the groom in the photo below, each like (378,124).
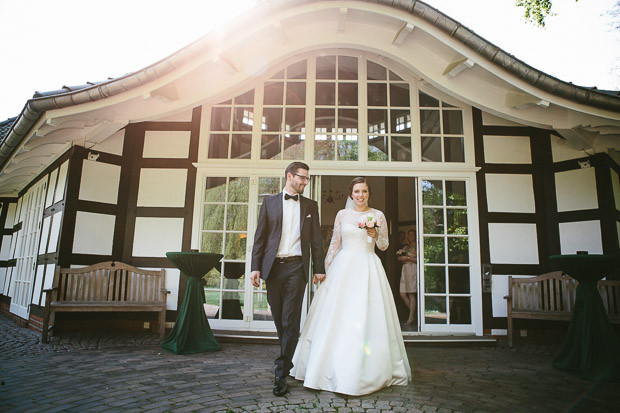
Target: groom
(288,234)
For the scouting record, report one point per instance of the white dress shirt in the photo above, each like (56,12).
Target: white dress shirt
(290,242)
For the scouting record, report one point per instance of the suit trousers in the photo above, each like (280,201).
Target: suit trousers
(285,293)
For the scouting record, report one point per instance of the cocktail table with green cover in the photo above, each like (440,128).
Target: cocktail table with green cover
(191,332)
(591,347)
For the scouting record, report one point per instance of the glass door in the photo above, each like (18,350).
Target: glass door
(446,281)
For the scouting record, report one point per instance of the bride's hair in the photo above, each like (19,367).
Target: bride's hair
(358,180)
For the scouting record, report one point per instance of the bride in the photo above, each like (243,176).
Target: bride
(351,342)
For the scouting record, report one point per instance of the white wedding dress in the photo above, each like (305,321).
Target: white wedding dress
(351,342)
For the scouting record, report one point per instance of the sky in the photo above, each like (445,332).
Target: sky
(47,44)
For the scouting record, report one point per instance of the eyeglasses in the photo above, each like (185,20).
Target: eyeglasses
(303,177)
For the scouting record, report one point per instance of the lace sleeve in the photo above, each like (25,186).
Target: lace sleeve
(334,245)
(382,230)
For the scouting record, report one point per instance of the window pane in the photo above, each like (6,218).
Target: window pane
(325,93)
(262,311)
(232,301)
(452,122)
(238,189)
(235,246)
(375,71)
(213,278)
(212,303)
(218,146)
(347,120)
(347,148)
(394,76)
(455,193)
(211,242)
(270,147)
(435,310)
(400,121)
(401,148)
(431,149)
(241,146)
(459,280)
(434,250)
(273,93)
(294,147)
(427,101)
(324,147)
(272,119)
(243,119)
(432,193)
(377,94)
(429,121)
(220,119)
(347,68)
(399,94)
(295,120)
(326,67)
(455,149)
(215,189)
(434,279)
(245,99)
(297,70)
(237,218)
(458,250)
(433,220)
(296,93)
(457,221)
(279,75)
(268,186)
(377,148)
(460,310)
(325,120)
(347,94)
(377,121)
(213,217)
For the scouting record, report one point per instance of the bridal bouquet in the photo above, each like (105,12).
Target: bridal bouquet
(368,221)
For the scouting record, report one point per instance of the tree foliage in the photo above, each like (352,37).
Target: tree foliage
(535,11)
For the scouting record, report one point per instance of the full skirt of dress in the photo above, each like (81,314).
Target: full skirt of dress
(351,342)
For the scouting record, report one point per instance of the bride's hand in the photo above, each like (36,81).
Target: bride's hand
(372,232)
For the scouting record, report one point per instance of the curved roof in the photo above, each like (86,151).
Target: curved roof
(69,96)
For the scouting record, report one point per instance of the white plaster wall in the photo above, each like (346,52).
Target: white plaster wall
(185,116)
(54,232)
(154,237)
(563,151)
(162,187)
(513,243)
(576,190)
(510,193)
(166,144)
(498,291)
(49,199)
(94,233)
(100,182)
(489,119)
(10,216)
(172,284)
(3,280)
(49,279)
(45,231)
(581,236)
(615,183)
(507,149)
(113,144)
(5,250)
(38,284)
(62,180)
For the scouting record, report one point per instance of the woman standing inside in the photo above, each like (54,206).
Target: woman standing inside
(351,342)
(409,276)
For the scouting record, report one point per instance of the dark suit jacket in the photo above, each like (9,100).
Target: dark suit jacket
(269,232)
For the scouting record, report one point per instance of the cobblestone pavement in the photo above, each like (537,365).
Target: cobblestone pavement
(129,372)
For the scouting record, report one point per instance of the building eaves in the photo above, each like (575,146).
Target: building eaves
(75,95)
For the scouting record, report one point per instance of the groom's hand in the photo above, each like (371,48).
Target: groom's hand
(255,278)
(318,278)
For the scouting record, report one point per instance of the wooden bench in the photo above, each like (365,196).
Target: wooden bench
(104,287)
(551,296)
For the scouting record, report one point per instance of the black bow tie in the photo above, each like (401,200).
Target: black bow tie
(293,197)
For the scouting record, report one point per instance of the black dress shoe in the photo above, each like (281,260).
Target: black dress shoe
(280,388)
